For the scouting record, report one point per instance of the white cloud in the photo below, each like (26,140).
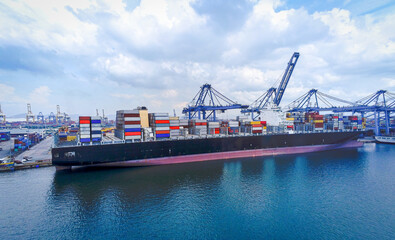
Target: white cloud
(40,95)
(166,49)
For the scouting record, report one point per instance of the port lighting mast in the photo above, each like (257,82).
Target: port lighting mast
(2,116)
(273,96)
(29,114)
(207,101)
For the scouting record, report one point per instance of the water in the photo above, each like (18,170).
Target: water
(346,194)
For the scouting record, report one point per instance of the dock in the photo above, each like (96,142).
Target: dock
(37,156)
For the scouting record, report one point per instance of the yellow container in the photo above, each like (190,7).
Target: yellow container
(174,118)
(255,122)
(318,121)
(71,138)
(290,119)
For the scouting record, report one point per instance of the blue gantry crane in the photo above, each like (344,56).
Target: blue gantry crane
(207,101)
(380,105)
(273,95)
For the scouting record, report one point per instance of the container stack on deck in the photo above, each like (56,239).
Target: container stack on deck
(233,127)
(198,127)
(174,127)
(128,125)
(213,128)
(160,122)
(184,127)
(96,135)
(85,129)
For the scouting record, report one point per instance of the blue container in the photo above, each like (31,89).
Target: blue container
(96,139)
(132,129)
(96,132)
(95,121)
(85,140)
(165,135)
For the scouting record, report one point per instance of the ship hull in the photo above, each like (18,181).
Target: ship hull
(197,150)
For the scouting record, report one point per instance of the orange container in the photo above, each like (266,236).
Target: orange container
(163,132)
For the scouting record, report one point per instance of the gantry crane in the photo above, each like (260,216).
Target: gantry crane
(2,116)
(380,102)
(59,115)
(40,117)
(207,101)
(29,114)
(273,96)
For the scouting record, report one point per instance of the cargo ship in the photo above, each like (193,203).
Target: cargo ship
(203,149)
(146,139)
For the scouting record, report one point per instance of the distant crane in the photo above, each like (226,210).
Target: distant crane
(207,101)
(2,116)
(105,118)
(40,117)
(29,114)
(380,102)
(273,96)
(59,115)
(52,118)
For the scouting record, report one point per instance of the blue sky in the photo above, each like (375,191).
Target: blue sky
(119,54)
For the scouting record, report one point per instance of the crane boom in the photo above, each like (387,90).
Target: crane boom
(284,81)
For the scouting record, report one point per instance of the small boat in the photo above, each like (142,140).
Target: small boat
(385,139)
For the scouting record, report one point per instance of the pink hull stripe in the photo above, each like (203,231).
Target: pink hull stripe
(230,155)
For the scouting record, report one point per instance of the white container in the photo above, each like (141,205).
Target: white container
(132,137)
(132,119)
(162,128)
(132,126)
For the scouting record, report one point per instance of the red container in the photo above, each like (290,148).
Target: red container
(131,115)
(263,123)
(85,121)
(290,127)
(256,131)
(162,132)
(132,133)
(174,127)
(132,122)
(162,121)
(257,125)
(85,118)
(201,124)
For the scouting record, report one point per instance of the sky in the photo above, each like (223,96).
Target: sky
(119,54)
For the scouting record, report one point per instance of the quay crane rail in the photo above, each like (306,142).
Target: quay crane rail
(207,101)
(273,95)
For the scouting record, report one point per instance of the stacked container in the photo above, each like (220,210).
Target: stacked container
(4,136)
(318,121)
(213,128)
(96,135)
(184,127)
(85,129)
(174,127)
(128,125)
(198,127)
(233,127)
(160,122)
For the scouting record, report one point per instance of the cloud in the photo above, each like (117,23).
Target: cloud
(40,95)
(159,52)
